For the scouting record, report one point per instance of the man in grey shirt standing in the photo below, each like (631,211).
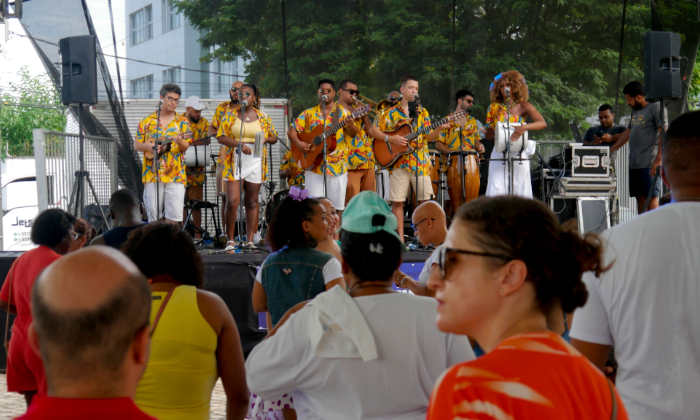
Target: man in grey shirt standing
(645,133)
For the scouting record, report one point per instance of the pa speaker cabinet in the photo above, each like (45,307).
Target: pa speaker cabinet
(593,214)
(79,70)
(662,65)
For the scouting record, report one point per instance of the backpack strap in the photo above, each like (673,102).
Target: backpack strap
(613,414)
(160,311)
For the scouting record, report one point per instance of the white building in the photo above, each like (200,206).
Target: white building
(156,34)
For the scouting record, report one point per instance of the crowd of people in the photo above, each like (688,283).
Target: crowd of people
(123,328)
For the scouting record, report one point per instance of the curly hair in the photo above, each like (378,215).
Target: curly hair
(51,227)
(256,92)
(285,227)
(518,87)
(162,248)
(556,255)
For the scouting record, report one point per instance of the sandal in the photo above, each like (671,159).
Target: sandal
(230,246)
(250,245)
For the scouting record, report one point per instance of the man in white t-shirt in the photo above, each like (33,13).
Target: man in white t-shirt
(648,304)
(430,226)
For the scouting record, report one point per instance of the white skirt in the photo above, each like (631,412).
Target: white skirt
(251,170)
(499,177)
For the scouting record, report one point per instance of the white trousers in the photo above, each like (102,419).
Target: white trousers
(335,186)
(499,178)
(171,200)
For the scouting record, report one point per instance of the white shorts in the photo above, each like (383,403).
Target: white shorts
(336,187)
(171,198)
(251,170)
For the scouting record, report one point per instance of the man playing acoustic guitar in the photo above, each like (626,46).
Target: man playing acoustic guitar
(164,192)
(337,168)
(403,174)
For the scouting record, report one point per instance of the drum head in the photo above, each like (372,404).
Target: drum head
(197,156)
(503,136)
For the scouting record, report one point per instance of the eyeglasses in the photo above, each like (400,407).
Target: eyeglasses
(442,257)
(244,95)
(326,91)
(75,235)
(413,226)
(171,99)
(352,92)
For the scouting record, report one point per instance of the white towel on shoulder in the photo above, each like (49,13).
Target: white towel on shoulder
(337,328)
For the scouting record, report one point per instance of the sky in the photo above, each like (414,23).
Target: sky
(17,51)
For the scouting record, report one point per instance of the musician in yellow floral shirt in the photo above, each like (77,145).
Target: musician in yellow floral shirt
(164,192)
(250,168)
(195,174)
(337,168)
(462,134)
(294,174)
(404,170)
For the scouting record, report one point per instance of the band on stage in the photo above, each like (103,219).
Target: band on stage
(358,153)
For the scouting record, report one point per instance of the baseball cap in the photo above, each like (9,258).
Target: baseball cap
(367,212)
(194,102)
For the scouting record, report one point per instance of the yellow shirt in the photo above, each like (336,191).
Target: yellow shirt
(361,149)
(226,129)
(456,137)
(171,163)
(199,132)
(182,368)
(297,177)
(419,160)
(312,118)
(221,111)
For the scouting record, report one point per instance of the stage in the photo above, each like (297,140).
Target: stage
(230,276)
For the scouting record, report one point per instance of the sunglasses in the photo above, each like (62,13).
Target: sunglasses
(442,258)
(242,95)
(413,226)
(326,91)
(234,89)
(75,235)
(469,101)
(352,91)
(394,98)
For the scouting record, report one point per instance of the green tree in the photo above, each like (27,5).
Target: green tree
(568,50)
(31,103)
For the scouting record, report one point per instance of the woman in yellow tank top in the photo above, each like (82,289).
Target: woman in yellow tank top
(195,340)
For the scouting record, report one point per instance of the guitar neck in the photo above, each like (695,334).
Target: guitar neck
(337,126)
(427,129)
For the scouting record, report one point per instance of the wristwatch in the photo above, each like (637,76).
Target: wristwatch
(386,138)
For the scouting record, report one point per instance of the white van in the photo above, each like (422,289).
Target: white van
(19,208)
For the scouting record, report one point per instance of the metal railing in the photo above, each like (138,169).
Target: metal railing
(57,157)
(624,206)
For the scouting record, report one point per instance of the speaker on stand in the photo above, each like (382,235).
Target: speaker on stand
(79,86)
(662,65)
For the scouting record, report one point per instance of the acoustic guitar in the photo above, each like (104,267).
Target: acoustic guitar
(164,141)
(386,153)
(314,157)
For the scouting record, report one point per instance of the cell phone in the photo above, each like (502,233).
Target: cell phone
(599,133)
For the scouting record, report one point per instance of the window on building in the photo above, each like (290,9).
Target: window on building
(142,88)
(171,75)
(141,23)
(171,19)
(223,81)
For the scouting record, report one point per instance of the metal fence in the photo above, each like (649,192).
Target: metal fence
(624,207)
(57,157)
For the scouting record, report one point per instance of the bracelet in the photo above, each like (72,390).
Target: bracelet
(403,280)
(386,138)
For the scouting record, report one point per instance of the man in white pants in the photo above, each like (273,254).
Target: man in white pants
(164,190)
(337,161)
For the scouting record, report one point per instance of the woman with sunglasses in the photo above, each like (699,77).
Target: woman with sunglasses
(507,263)
(52,231)
(240,127)
(83,234)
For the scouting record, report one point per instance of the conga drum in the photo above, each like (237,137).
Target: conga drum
(462,177)
(435,170)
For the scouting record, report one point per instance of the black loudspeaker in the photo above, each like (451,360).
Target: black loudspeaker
(662,65)
(79,70)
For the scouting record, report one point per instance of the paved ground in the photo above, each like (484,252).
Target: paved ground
(12,404)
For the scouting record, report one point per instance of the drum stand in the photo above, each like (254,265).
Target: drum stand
(203,205)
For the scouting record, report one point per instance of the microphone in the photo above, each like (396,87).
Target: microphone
(324,98)
(244,103)
(416,98)
(507,92)
(160,103)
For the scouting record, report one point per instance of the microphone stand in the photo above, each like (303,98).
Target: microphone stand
(325,149)
(508,143)
(156,164)
(240,178)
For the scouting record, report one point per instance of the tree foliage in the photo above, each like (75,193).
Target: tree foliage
(567,49)
(17,121)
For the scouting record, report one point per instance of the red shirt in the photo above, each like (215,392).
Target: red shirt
(78,409)
(528,376)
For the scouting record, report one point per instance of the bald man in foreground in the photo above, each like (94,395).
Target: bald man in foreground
(91,326)
(430,226)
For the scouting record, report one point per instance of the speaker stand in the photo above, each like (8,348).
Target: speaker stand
(77,200)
